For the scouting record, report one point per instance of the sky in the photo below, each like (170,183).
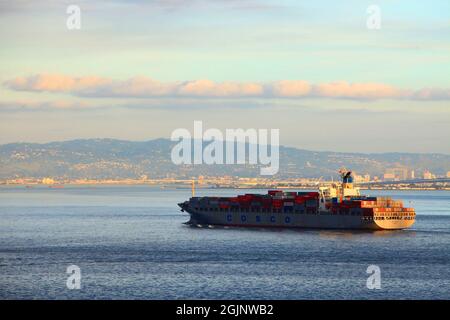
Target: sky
(138,70)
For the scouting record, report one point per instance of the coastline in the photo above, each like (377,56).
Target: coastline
(188,185)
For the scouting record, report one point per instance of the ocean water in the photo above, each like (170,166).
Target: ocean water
(130,243)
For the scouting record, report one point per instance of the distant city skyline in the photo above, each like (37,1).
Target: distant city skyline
(137,70)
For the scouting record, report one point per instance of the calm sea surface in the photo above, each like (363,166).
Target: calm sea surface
(130,243)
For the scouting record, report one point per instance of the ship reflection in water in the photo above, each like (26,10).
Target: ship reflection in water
(328,234)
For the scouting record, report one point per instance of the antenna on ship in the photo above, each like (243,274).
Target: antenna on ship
(318,180)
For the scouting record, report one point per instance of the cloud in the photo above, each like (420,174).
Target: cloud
(431,94)
(27,105)
(144,87)
(342,89)
(56,83)
(208,88)
(291,88)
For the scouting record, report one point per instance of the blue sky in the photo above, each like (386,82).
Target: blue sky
(140,69)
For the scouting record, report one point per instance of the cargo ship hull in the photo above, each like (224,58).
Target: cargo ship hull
(337,206)
(320,220)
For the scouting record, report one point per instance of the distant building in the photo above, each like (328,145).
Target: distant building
(413,174)
(428,175)
(396,174)
(48,181)
(448,174)
(361,178)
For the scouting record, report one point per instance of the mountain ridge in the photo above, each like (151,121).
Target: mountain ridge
(107,158)
(168,140)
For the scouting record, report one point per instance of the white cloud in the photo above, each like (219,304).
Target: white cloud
(144,87)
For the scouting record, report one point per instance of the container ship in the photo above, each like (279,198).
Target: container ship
(335,206)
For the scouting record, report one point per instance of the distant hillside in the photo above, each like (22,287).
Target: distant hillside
(117,159)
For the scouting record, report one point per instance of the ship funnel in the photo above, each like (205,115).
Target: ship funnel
(347,177)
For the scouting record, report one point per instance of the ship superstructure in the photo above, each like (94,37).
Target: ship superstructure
(333,206)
